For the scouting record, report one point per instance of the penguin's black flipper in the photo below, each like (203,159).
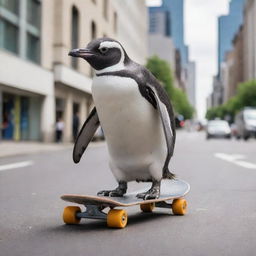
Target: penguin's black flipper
(85,135)
(167,126)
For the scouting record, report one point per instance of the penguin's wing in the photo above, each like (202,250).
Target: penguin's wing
(85,135)
(157,97)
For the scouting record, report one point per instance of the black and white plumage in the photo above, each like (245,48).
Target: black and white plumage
(136,116)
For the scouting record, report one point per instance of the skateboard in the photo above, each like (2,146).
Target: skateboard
(171,197)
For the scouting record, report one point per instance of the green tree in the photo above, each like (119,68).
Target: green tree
(247,94)
(245,97)
(162,71)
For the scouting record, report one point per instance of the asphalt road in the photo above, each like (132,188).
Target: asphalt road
(222,204)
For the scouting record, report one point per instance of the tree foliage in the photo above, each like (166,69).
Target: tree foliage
(162,71)
(245,97)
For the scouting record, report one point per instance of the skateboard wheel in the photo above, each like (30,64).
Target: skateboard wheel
(179,206)
(147,207)
(117,218)
(69,215)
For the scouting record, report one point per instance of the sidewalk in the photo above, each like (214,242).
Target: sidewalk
(12,148)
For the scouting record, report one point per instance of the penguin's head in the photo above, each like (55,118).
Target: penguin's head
(103,54)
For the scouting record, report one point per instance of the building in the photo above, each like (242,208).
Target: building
(174,24)
(232,72)
(39,82)
(164,50)
(166,40)
(250,40)
(132,28)
(228,25)
(217,94)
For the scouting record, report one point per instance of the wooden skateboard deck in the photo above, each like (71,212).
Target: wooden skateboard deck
(170,190)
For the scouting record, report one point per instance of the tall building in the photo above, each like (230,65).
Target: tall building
(174,24)
(228,26)
(249,46)
(232,72)
(39,82)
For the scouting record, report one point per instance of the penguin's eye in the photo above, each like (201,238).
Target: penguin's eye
(103,50)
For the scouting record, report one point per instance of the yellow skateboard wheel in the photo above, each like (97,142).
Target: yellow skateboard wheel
(147,207)
(69,215)
(179,206)
(117,218)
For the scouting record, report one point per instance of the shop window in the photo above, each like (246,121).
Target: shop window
(75,34)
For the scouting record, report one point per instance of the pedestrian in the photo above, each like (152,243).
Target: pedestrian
(59,129)
(76,123)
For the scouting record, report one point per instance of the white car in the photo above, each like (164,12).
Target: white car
(218,128)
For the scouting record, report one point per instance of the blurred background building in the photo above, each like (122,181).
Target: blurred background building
(39,82)
(236,51)
(166,25)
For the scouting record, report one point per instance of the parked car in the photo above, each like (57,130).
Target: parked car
(218,128)
(245,122)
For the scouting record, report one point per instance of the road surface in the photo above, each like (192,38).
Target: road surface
(222,204)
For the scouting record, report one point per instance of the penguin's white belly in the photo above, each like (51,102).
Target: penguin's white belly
(132,128)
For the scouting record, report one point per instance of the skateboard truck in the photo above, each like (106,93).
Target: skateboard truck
(92,212)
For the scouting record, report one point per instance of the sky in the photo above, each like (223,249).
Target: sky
(201,35)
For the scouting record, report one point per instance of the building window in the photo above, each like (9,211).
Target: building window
(33,18)
(75,34)
(34,12)
(10,5)
(105,9)
(9,22)
(9,36)
(33,47)
(115,21)
(20,22)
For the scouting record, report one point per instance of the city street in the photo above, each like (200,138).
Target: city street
(221,217)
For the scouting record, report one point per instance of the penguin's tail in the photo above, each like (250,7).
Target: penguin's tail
(169,175)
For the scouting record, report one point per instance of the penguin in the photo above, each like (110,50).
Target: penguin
(135,114)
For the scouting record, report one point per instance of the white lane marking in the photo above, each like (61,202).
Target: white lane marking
(15,165)
(236,159)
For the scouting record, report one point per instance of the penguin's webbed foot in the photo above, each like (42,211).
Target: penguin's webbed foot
(153,193)
(114,193)
(118,192)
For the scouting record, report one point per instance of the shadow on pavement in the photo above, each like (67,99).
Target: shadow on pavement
(87,225)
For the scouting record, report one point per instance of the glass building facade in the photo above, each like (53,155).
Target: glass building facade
(173,10)
(228,26)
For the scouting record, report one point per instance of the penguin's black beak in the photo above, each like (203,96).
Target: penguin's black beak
(82,53)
